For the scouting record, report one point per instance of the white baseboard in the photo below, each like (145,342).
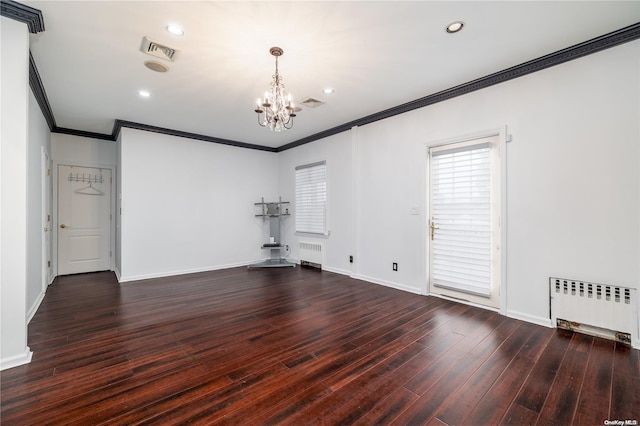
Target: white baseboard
(34,308)
(337,270)
(543,321)
(124,279)
(16,360)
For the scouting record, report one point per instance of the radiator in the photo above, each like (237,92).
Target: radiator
(603,310)
(311,254)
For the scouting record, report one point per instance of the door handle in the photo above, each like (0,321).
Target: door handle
(47,229)
(62,225)
(433,227)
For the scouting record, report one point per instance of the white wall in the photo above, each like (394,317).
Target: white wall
(188,205)
(14,112)
(79,150)
(572,175)
(39,140)
(339,245)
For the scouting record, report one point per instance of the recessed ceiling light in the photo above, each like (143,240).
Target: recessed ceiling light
(328,91)
(175,29)
(144,93)
(454,27)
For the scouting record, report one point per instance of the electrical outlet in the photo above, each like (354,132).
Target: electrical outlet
(350,259)
(395,266)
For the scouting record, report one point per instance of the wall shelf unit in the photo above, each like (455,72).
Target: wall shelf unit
(274,212)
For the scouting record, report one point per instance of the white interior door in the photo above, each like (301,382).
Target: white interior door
(464,221)
(84,219)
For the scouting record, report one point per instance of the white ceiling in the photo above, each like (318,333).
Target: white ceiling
(376,54)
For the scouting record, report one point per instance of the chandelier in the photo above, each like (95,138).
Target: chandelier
(276,111)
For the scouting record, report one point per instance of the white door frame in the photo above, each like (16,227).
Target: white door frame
(47,220)
(112,228)
(503,138)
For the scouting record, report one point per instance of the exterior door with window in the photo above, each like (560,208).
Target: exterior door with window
(84,219)
(464,221)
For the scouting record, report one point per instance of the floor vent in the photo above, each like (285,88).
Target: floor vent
(603,310)
(311,255)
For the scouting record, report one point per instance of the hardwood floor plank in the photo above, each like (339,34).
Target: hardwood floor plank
(560,404)
(294,346)
(474,332)
(287,409)
(454,372)
(313,347)
(204,401)
(376,380)
(534,392)
(458,405)
(495,403)
(382,412)
(625,392)
(101,405)
(406,332)
(595,395)
(519,415)
(345,406)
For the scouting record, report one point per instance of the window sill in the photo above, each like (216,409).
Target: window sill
(312,235)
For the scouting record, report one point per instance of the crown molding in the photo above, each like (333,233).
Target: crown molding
(22,13)
(83,133)
(119,124)
(580,50)
(38,91)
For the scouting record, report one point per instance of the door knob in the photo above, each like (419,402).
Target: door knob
(62,225)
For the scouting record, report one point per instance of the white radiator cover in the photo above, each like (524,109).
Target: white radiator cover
(604,310)
(311,253)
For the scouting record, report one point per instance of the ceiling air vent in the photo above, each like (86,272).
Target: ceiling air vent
(311,103)
(158,50)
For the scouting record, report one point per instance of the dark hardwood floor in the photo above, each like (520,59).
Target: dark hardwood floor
(301,347)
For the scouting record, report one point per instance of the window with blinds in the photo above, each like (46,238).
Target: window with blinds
(461,218)
(311,198)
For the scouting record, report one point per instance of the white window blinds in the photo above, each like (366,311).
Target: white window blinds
(311,198)
(461,216)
